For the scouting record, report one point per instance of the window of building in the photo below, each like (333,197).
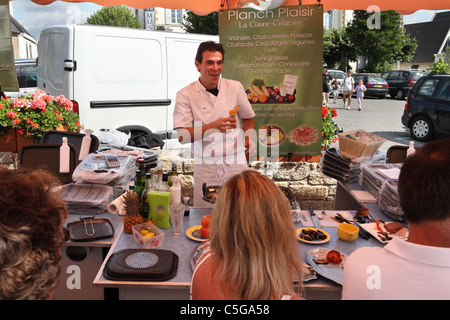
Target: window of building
(175,16)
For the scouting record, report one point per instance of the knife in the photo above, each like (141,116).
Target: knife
(314,218)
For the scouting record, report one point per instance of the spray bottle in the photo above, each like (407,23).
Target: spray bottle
(64,157)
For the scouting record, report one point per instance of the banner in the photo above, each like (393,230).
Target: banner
(277,56)
(8,76)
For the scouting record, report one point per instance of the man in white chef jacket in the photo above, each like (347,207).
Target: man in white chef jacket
(201,117)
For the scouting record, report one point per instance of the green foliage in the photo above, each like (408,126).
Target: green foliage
(382,45)
(118,16)
(328,126)
(439,67)
(208,24)
(337,49)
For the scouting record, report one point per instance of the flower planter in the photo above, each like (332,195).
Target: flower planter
(12,141)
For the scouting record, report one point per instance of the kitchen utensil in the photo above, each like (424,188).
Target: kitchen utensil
(314,218)
(88,228)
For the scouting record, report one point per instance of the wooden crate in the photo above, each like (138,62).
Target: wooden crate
(366,144)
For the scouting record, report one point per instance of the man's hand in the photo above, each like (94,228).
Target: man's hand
(224,124)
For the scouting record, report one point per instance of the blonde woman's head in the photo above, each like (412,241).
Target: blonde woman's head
(253,238)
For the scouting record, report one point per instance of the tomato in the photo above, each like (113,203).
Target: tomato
(334,256)
(204,229)
(290,97)
(205,221)
(204,233)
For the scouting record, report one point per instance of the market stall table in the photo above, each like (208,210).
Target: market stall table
(81,259)
(178,287)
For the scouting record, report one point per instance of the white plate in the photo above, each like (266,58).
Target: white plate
(332,271)
(372,229)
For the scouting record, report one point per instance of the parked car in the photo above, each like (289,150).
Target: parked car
(26,77)
(427,108)
(401,82)
(376,86)
(340,75)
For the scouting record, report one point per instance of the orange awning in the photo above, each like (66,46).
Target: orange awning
(206,6)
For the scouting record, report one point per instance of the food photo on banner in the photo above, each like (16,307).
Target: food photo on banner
(277,56)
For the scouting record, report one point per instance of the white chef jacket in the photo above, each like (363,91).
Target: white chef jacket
(218,155)
(400,271)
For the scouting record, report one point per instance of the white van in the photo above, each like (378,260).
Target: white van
(118,77)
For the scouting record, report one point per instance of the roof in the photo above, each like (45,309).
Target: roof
(16,27)
(429,36)
(442,16)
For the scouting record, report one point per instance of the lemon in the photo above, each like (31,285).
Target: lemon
(144,232)
(149,235)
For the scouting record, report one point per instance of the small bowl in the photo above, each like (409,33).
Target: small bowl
(151,242)
(347,232)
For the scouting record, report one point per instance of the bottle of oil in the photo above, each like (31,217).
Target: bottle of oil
(148,188)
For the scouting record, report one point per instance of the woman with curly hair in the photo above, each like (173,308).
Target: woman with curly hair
(31,218)
(253,253)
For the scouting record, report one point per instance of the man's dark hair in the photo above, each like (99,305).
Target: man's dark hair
(424,183)
(209,46)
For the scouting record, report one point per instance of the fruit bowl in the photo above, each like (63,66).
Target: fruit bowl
(148,235)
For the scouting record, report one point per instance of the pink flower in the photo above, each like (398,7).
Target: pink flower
(17,103)
(16,122)
(11,114)
(38,104)
(47,98)
(65,103)
(38,94)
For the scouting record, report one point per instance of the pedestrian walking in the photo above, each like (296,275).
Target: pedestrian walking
(326,87)
(335,86)
(360,89)
(348,87)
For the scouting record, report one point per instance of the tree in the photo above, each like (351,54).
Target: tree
(208,24)
(118,16)
(384,45)
(439,67)
(337,49)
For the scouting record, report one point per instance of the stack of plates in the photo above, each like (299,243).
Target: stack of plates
(381,181)
(94,170)
(340,167)
(374,175)
(389,200)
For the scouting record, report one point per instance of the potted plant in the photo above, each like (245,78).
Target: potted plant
(32,116)
(328,126)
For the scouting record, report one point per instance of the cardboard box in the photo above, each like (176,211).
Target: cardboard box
(366,144)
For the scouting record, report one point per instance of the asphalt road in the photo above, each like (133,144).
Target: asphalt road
(381,117)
